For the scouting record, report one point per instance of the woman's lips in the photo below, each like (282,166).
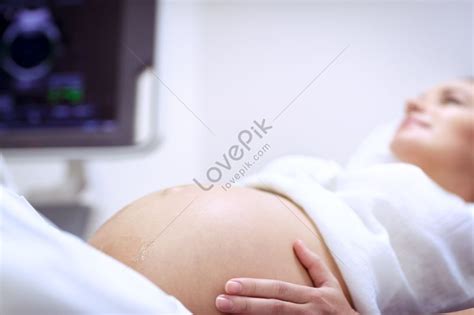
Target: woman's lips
(414,121)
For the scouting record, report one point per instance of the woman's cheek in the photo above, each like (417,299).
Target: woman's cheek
(466,128)
(462,130)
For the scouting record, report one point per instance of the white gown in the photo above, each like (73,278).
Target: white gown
(46,271)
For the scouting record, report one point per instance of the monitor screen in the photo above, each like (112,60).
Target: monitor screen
(67,74)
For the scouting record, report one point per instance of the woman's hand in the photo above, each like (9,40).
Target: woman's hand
(262,296)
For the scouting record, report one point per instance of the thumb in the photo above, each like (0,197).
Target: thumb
(317,269)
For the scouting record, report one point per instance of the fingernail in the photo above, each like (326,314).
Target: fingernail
(233,287)
(298,242)
(224,304)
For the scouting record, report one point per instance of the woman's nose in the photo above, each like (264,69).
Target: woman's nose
(414,105)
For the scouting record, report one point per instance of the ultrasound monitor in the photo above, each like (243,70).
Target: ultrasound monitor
(68,71)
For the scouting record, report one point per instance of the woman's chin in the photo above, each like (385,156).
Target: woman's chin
(406,149)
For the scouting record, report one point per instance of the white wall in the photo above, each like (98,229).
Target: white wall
(232,63)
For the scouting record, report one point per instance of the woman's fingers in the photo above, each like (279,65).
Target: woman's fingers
(251,305)
(317,269)
(263,296)
(265,288)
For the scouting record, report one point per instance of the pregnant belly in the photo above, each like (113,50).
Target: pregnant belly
(190,242)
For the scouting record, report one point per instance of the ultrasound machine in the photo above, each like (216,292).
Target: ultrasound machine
(76,81)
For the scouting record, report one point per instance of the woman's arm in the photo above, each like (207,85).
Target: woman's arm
(263,296)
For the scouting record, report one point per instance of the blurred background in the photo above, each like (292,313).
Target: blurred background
(164,88)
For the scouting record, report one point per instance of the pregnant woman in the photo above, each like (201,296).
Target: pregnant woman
(394,237)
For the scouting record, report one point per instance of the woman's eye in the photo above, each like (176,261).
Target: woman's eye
(452,100)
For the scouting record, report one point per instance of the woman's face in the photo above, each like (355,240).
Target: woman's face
(438,127)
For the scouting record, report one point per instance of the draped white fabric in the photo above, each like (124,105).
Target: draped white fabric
(46,271)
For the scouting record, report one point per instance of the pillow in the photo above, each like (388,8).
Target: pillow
(375,149)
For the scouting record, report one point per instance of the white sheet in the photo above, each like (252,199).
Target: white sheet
(403,245)
(46,271)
